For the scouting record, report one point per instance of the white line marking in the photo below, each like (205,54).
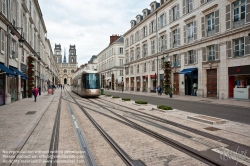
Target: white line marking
(76,124)
(73,116)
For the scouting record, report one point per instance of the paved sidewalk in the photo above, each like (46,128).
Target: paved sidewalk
(232,102)
(16,125)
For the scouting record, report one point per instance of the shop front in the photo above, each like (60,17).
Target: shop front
(191,81)
(153,83)
(239,82)
(138,83)
(23,81)
(127,84)
(5,72)
(132,83)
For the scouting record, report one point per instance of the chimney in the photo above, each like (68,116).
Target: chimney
(113,38)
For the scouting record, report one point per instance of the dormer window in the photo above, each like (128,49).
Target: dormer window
(153,7)
(138,19)
(145,14)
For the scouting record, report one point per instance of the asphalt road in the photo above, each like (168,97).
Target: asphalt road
(232,113)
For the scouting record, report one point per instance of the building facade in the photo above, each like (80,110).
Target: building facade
(22,49)
(206,42)
(91,65)
(66,70)
(110,63)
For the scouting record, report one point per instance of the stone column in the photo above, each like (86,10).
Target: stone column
(19,93)
(141,83)
(135,84)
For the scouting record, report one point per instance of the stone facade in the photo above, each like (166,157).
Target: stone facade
(66,70)
(205,38)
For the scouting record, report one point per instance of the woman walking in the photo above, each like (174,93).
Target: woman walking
(35,93)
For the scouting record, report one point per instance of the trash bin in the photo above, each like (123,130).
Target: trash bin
(102,91)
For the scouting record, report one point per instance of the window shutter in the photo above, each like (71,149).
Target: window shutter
(195,30)
(146,30)
(146,49)
(217,22)
(203,26)
(170,15)
(184,6)
(204,56)
(185,58)
(139,35)
(158,25)
(139,52)
(195,56)
(166,41)
(185,35)
(247,11)
(217,51)
(228,17)
(170,39)
(165,19)
(149,28)
(17,16)
(142,33)
(171,60)
(179,36)
(191,6)
(229,49)
(247,45)
(178,59)
(154,29)
(202,1)
(178,10)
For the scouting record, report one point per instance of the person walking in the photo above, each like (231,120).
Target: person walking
(35,93)
(194,89)
(159,90)
(122,84)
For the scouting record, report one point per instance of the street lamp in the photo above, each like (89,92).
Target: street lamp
(21,40)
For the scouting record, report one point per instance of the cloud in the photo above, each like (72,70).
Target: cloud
(88,23)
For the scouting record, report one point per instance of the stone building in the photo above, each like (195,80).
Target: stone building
(66,69)
(206,42)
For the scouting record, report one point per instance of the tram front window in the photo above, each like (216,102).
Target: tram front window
(91,81)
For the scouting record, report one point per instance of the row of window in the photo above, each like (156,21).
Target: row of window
(109,53)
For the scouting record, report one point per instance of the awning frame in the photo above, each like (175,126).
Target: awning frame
(8,72)
(23,76)
(187,71)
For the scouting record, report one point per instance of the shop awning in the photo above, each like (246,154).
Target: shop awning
(187,71)
(8,72)
(23,76)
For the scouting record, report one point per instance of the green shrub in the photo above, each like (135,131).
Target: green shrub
(164,107)
(115,97)
(141,102)
(108,95)
(126,99)
(102,94)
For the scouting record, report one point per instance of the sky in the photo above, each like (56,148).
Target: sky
(88,24)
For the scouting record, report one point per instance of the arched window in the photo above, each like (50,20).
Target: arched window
(72,60)
(65,71)
(72,71)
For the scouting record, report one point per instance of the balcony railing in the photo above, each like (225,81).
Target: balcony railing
(211,58)
(190,38)
(239,23)
(239,53)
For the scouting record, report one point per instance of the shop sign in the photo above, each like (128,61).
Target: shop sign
(239,70)
(23,68)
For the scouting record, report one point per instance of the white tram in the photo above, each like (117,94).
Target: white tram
(86,83)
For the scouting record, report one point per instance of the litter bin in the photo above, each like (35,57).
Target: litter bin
(102,91)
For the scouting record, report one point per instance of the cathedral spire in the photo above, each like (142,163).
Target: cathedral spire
(64,58)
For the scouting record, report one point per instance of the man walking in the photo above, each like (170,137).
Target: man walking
(122,84)
(35,93)
(159,90)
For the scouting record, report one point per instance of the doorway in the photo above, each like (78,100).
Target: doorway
(176,83)
(212,83)
(65,80)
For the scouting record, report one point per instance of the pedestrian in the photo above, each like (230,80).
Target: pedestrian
(39,90)
(35,93)
(159,90)
(122,83)
(194,89)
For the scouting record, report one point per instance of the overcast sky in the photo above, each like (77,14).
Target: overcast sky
(88,23)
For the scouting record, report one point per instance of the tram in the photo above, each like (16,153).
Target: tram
(86,83)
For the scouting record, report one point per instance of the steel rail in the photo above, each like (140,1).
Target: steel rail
(52,155)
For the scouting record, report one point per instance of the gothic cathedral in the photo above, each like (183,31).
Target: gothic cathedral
(66,70)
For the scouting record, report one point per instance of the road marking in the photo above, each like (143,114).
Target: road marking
(76,124)
(73,116)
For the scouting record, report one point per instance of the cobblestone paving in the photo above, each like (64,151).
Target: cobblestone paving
(68,143)
(141,146)
(103,153)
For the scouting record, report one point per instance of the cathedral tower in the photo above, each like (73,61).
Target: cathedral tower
(72,54)
(58,53)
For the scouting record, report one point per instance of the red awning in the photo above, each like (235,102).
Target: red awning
(145,76)
(152,76)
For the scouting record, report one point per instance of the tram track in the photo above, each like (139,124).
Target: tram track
(123,155)
(176,145)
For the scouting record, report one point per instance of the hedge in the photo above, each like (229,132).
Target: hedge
(141,102)
(115,97)
(126,99)
(164,107)
(108,95)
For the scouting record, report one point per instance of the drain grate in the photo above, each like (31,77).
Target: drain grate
(212,128)
(30,112)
